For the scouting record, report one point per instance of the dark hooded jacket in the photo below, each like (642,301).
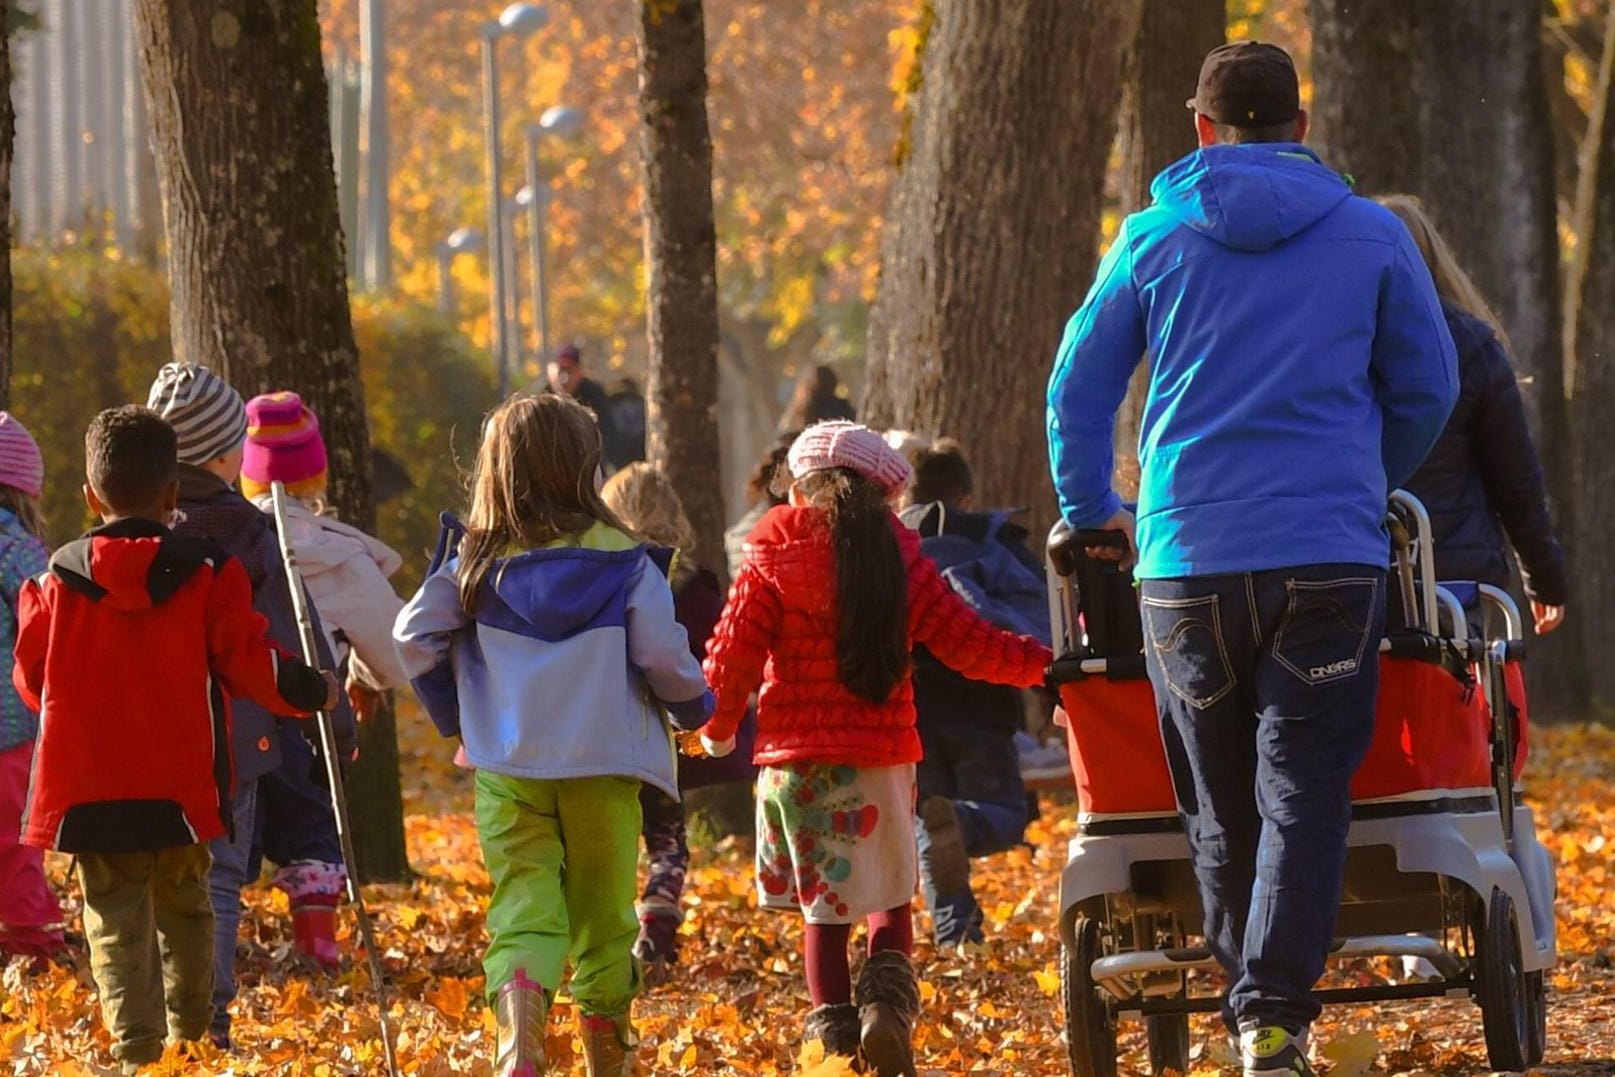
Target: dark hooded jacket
(131,646)
(215,510)
(1483,479)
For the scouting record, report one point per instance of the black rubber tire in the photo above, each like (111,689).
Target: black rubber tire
(1505,1008)
(1090,1024)
(1536,994)
(1169,1043)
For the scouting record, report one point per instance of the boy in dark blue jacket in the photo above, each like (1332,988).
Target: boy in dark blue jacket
(971,798)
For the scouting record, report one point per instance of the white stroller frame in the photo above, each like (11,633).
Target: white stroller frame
(1454,876)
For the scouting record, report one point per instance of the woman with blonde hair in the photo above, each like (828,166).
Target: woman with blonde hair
(1482,483)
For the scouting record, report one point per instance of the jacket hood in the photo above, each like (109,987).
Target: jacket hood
(232,520)
(792,548)
(1250,198)
(133,564)
(559,591)
(323,543)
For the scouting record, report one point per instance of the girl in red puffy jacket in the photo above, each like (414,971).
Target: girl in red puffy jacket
(832,596)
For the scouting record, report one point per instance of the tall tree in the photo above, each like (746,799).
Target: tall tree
(1591,376)
(238,102)
(8,136)
(1159,73)
(993,226)
(681,300)
(1475,141)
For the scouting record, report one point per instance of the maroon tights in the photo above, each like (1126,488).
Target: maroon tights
(824,952)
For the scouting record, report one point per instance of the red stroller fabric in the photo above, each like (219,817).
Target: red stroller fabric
(1432,732)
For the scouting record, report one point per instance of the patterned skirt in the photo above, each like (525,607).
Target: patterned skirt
(836,841)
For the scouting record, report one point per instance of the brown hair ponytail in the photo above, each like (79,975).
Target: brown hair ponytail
(872,650)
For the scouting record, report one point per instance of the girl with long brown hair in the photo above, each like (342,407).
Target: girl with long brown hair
(833,595)
(544,637)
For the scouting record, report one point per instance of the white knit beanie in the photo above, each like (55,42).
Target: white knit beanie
(206,414)
(839,443)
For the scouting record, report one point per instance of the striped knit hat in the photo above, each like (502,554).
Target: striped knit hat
(21,466)
(283,445)
(203,410)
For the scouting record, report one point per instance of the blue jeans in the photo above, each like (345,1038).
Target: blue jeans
(295,820)
(978,769)
(1266,685)
(231,864)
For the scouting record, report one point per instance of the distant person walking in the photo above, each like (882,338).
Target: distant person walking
(568,377)
(817,399)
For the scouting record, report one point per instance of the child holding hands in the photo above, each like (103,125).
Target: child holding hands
(544,637)
(832,597)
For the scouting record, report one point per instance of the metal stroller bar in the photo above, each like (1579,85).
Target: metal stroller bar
(1108,970)
(1454,610)
(1424,543)
(1505,604)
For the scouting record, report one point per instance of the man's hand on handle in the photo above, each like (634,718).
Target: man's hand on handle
(1128,556)
(1547,618)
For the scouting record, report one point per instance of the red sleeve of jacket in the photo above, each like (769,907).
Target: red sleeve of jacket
(738,649)
(33,632)
(962,640)
(240,652)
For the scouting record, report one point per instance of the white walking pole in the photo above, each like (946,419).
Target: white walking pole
(333,773)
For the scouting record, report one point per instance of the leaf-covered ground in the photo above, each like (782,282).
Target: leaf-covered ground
(737,1006)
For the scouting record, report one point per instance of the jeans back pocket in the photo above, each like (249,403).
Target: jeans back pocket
(1325,630)
(1185,635)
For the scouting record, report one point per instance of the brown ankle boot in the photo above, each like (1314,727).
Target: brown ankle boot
(888,1002)
(608,1045)
(522,1010)
(836,1027)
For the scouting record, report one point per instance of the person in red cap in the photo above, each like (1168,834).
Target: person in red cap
(345,573)
(30,917)
(832,597)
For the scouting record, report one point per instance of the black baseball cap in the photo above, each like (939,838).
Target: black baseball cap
(1247,84)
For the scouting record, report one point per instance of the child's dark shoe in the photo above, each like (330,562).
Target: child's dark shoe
(836,1027)
(888,998)
(657,945)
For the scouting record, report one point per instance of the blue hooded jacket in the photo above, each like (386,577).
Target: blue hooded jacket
(572,667)
(1300,368)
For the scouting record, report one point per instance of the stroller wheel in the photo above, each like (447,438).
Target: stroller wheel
(1169,1043)
(1511,1003)
(1536,995)
(1090,1025)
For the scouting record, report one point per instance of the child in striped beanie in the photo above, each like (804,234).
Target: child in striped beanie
(30,917)
(211,422)
(345,572)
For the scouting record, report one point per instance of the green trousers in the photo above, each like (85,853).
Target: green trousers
(150,928)
(563,856)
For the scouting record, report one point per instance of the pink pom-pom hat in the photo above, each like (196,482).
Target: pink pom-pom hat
(283,445)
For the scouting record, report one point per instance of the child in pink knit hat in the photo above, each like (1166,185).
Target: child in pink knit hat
(30,918)
(345,572)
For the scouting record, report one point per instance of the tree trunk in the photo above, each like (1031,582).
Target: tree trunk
(1159,73)
(238,101)
(8,136)
(1591,360)
(1474,140)
(681,296)
(993,226)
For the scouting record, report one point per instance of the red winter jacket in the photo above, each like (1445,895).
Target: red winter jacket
(779,628)
(133,642)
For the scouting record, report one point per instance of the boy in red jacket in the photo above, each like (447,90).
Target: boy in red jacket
(165,621)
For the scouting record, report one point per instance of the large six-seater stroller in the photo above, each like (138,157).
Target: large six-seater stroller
(1444,863)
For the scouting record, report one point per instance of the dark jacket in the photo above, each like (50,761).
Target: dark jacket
(214,510)
(1483,479)
(697,604)
(985,558)
(130,643)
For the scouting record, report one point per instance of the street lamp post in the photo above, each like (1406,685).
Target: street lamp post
(559,121)
(518,20)
(460,241)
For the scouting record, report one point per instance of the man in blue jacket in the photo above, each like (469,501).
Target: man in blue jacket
(1300,369)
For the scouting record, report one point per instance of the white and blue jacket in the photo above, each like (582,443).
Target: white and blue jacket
(572,667)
